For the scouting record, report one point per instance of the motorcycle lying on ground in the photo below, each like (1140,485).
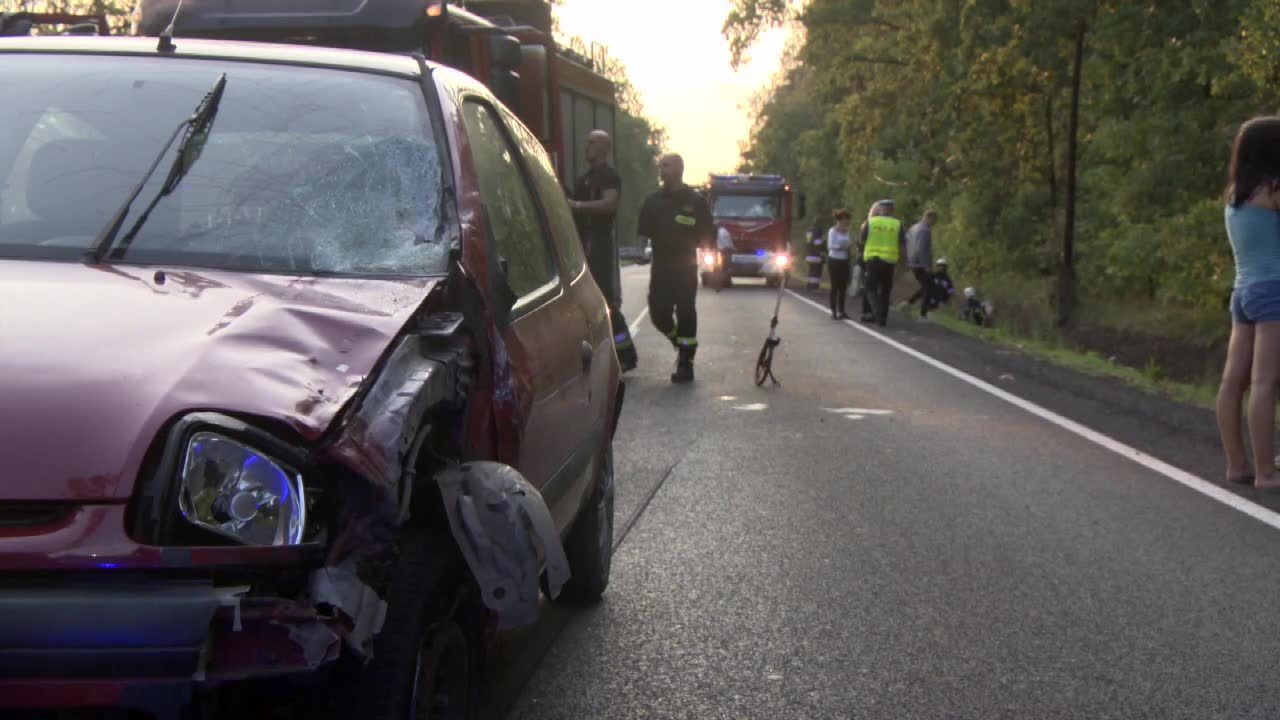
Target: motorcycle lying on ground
(976,310)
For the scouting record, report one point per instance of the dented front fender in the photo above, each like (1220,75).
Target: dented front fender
(505,533)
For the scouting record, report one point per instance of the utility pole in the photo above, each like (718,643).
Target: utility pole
(1067,274)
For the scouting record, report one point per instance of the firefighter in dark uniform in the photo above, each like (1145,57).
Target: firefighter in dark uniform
(594,203)
(817,251)
(678,222)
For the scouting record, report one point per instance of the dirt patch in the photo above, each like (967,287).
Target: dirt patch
(1160,357)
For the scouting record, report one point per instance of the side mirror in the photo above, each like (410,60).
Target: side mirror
(505,59)
(801,208)
(504,52)
(14,26)
(505,86)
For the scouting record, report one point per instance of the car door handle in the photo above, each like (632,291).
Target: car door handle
(587,356)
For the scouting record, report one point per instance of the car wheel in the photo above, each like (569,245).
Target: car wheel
(427,658)
(589,546)
(772,282)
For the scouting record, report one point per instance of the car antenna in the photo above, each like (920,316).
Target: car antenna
(166,37)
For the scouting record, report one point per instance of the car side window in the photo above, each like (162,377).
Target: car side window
(559,216)
(511,211)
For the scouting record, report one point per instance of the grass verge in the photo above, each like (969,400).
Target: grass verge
(1090,363)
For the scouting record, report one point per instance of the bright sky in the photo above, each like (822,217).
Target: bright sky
(678,60)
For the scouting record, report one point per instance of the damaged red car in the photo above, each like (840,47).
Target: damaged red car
(305,385)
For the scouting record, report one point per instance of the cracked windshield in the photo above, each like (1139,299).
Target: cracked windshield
(303,170)
(609,359)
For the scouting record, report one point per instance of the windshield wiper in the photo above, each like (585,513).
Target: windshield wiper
(197,133)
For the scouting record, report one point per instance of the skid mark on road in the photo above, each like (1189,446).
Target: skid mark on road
(644,504)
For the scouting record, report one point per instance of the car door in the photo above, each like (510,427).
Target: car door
(543,317)
(586,314)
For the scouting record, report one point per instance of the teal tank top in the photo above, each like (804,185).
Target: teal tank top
(1254,233)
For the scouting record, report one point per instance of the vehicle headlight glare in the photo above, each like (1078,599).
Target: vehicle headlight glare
(235,491)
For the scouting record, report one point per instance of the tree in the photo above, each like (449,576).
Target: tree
(637,144)
(1084,139)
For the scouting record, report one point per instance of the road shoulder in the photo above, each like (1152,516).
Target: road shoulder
(1181,434)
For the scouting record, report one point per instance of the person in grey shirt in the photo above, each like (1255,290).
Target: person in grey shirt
(920,258)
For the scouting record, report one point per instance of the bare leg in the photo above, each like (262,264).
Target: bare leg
(1262,403)
(1235,380)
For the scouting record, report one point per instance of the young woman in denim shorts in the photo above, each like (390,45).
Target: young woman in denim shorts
(1253,354)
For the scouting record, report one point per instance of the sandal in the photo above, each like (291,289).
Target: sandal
(1241,480)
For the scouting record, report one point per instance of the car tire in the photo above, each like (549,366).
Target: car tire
(772,282)
(427,661)
(589,546)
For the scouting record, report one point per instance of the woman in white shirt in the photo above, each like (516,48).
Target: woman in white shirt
(838,243)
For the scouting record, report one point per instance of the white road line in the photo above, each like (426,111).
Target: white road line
(1204,487)
(635,324)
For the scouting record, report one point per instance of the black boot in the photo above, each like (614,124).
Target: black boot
(684,366)
(627,358)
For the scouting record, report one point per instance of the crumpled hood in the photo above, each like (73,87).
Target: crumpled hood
(96,359)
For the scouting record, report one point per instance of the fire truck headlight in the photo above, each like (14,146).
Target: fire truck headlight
(708,259)
(782,260)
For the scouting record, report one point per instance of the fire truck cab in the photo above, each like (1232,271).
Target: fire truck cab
(757,210)
(559,94)
(20,24)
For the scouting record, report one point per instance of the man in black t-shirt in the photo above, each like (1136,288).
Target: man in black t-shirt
(594,203)
(678,222)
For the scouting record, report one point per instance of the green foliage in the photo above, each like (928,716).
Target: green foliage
(963,105)
(747,18)
(637,144)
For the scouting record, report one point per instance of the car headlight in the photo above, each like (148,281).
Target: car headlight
(781,260)
(235,491)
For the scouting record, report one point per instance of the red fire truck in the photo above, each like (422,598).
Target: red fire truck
(25,23)
(506,44)
(757,211)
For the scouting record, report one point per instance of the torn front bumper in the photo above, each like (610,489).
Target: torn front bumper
(148,645)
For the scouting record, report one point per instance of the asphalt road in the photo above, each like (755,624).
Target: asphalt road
(877,538)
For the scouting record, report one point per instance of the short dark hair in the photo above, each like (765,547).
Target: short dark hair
(1255,159)
(842,214)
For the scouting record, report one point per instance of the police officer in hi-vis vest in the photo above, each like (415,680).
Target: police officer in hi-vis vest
(677,220)
(882,241)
